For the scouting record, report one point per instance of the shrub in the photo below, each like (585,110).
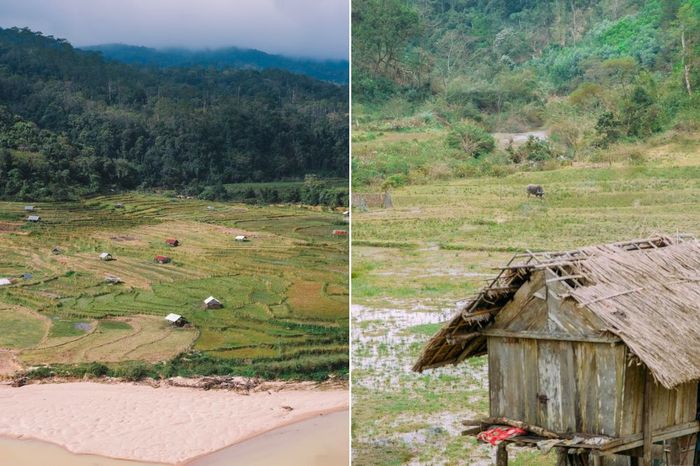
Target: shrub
(132,372)
(473,140)
(42,372)
(395,181)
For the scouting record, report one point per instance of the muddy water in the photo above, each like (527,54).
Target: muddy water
(322,440)
(35,453)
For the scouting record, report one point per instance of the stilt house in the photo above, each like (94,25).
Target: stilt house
(597,348)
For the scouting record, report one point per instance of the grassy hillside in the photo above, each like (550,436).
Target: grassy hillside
(73,123)
(592,75)
(285,291)
(439,244)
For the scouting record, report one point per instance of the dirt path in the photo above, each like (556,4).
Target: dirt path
(503,139)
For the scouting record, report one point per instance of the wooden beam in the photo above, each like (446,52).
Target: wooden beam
(502,454)
(551,336)
(637,440)
(646,421)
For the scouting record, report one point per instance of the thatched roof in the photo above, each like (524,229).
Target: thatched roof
(646,292)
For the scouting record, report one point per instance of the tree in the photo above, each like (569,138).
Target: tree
(472,140)
(381,31)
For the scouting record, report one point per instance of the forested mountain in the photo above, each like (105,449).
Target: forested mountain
(229,57)
(72,122)
(593,72)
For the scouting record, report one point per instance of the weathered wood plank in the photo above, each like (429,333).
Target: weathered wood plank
(511,310)
(549,369)
(496,395)
(502,454)
(646,420)
(603,339)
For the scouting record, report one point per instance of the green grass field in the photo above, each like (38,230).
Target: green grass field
(411,264)
(285,291)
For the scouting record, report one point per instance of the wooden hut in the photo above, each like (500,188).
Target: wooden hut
(597,348)
(212,303)
(175,319)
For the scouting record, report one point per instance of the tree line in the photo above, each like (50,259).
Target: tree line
(72,123)
(592,72)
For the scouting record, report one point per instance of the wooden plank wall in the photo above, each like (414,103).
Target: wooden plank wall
(669,407)
(563,386)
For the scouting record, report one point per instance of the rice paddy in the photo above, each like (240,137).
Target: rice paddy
(440,242)
(284,292)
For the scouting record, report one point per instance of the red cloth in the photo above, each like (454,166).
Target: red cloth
(496,435)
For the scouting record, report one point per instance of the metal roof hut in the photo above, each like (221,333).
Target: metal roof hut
(597,348)
(175,319)
(105,256)
(29,208)
(161,259)
(212,303)
(33,218)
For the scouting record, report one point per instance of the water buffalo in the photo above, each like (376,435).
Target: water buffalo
(535,190)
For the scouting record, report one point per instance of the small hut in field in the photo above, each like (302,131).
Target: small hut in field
(340,233)
(172,242)
(56,250)
(33,218)
(241,238)
(29,208)
(595,350)
(118,205)
(105,256)
(212,303)
(175,319)
(162,259)
(5,281)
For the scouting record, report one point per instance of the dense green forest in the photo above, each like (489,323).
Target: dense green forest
(73,123)
(228,57)
(592,73)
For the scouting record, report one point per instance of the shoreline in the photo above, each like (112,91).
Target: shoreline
(189,461)
(180,414)
(260,434)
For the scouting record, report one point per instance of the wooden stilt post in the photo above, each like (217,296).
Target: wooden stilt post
(501,455)
(646,420)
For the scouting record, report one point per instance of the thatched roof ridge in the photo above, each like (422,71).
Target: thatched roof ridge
(647,292)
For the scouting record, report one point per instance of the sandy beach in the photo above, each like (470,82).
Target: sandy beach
(160,425)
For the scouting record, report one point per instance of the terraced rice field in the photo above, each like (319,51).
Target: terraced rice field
(285,291)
